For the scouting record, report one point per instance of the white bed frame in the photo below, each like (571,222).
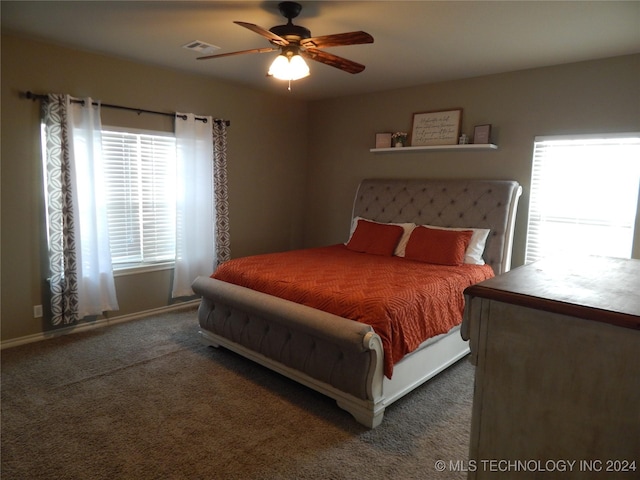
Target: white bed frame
(342,358)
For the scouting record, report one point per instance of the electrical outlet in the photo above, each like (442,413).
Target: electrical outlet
(37,311)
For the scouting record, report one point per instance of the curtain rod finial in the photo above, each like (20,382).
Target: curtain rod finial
(29,95)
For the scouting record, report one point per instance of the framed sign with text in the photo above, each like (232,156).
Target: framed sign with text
(436,128)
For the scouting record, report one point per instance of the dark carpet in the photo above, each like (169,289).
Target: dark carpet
(146,400)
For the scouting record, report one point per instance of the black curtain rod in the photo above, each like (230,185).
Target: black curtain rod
(34,96)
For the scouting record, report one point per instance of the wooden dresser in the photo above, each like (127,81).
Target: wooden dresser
(556,346)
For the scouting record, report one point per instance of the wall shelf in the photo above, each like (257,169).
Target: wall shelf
(468,147)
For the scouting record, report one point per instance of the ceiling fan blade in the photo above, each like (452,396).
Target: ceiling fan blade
(332,60)
(337,40)
(272,37)
(254,50)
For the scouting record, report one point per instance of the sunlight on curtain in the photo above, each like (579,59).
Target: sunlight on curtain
(96,287)
(195,209)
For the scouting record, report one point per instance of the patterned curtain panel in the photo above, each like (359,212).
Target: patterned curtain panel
(223,244)
(61,229)
(80,269)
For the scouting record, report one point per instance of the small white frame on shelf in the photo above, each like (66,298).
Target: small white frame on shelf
(468,146)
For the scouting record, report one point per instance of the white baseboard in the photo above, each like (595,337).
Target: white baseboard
(103,322)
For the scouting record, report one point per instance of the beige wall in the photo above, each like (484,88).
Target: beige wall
(590,97)
(286,190)
(266,164)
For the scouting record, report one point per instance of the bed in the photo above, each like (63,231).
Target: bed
(343,358)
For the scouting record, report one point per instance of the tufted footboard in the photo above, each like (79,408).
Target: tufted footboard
(339,357)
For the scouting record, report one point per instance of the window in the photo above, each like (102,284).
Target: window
(140,169)
(584,195)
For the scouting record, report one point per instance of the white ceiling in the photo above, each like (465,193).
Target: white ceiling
(416,42)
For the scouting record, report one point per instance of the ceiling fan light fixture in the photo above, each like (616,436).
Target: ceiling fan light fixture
(288,66)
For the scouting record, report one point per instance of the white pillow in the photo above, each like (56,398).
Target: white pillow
(404,239)
(473,255)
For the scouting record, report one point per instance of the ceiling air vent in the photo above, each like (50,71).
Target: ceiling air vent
(201,47)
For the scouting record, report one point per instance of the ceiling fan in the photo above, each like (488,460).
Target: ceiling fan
(295,42)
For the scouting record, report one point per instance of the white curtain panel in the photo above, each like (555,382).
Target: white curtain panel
(195,205)
(96,287)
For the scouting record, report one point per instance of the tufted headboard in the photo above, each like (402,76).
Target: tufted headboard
(447,203)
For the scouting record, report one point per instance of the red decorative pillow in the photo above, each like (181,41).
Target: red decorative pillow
(375,238)
(442,247)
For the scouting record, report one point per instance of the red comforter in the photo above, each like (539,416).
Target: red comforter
(405,301)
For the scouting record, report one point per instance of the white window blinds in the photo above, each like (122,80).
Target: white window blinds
(584,196)
(140,182)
